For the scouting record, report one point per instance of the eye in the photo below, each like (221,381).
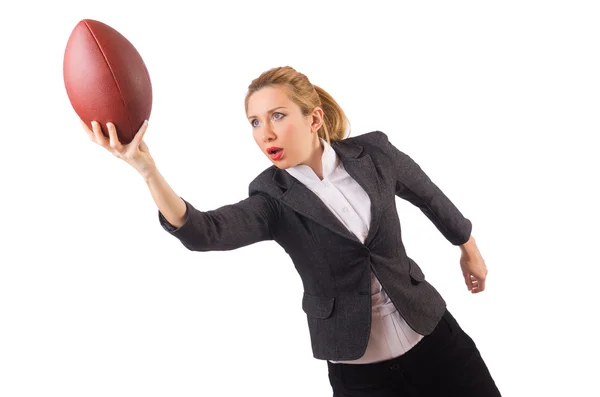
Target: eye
(278,116)
(254,123)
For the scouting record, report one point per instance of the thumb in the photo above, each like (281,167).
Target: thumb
(140,134)
(143,147)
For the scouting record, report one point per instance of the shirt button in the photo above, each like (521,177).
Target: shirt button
(345,209)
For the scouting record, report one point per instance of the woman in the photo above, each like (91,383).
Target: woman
(330,203)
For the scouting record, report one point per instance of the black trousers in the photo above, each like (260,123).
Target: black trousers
(445,363)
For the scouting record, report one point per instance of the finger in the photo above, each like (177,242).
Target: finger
(467,277)
(478,284)
(113,137)
(481,284)
(98,135)
(473,282)
(137,139)
(87,130)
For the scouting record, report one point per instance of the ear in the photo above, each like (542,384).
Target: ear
(316,119)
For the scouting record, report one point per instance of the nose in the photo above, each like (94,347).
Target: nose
(268,134)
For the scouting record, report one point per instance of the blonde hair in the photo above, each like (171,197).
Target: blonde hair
(307,96)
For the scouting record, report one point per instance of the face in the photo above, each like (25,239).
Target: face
(281,131)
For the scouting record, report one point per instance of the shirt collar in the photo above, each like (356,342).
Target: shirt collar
(306,175)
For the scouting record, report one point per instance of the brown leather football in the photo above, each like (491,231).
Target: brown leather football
(106,79)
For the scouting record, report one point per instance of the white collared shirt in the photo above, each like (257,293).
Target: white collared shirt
(390,335)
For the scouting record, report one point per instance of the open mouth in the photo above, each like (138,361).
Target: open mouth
(275,153)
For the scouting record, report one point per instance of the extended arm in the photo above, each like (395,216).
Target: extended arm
(229,227)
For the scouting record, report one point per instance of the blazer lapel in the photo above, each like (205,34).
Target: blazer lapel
(363,171)
(304,201)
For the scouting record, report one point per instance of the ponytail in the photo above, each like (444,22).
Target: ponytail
(335,122)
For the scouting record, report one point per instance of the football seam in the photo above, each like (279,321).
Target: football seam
(113,75)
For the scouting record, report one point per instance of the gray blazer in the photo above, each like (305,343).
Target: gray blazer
(332,262)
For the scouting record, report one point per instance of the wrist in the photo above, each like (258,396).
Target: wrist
(149,174)
(469,246)
(471,240)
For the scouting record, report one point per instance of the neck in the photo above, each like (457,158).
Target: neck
(315,160)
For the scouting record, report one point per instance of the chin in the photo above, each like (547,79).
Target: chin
(281,166)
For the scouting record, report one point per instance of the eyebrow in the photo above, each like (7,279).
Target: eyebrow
(270,111)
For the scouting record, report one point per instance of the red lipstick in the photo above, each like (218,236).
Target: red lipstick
(275,152)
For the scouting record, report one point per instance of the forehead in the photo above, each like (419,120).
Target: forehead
(268,98)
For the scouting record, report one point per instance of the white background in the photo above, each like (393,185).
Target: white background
(498,102)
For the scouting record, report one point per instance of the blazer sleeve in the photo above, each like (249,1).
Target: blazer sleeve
(226,228)
(413,185)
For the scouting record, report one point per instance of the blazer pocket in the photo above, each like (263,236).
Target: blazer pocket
(317,306)
(415,272)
